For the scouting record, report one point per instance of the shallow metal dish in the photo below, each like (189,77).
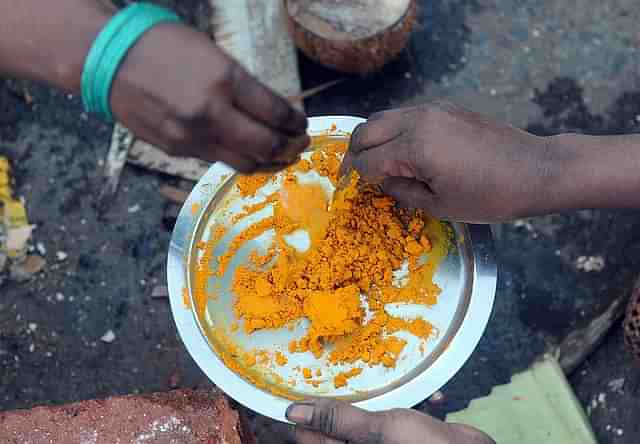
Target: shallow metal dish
(467,278)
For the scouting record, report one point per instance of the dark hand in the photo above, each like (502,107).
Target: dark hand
(180,92)
(333,422)
(454,163)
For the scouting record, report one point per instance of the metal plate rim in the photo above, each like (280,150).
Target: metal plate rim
(407,395)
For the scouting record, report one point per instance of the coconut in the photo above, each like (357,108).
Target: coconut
(632,325)
(357,36)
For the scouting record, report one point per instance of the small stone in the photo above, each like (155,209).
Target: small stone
(41,249)
(61,256)
(590,263)
(59,297)
(108,337)
(616,385)
(133,209)
(536,33)
(32,348)
(32,326)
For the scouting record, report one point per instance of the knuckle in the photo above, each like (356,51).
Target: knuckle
(176,133)
(189,111)
(328,418)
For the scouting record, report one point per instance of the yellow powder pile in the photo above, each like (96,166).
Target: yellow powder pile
(358,241)
(249,185)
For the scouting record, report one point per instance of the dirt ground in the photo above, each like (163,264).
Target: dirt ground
(543,65)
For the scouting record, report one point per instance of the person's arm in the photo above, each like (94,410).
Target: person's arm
(48,41)
(336,422)
(602,171)
(460,165)
(175,89)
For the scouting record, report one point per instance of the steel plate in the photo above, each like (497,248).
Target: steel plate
(467,278)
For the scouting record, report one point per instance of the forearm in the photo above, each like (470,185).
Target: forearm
(592,172)
(48,40)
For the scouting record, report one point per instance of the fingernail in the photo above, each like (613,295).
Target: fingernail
(354,143)
(300,413)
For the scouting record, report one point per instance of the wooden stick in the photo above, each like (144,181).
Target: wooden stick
(313,91)
(580,343)
(121,142)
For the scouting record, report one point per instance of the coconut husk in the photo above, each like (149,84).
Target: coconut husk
(357,37)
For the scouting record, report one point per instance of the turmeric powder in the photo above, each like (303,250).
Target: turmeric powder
(340,380)
(357,242)
(249,185)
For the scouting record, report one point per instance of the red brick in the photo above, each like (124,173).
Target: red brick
(632,324)
(177,417)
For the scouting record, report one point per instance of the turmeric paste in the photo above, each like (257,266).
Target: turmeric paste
(357,242)
(340,380)
(249,185)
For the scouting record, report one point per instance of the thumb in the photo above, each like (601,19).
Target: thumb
(336,419)
(411,193)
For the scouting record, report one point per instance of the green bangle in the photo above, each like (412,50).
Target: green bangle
(110,48)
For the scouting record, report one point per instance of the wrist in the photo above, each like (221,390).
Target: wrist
(552,179)
(63,68)
(599,171)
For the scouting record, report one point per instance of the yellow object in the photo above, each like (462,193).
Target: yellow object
(13,215)
(357,242)
(5,183)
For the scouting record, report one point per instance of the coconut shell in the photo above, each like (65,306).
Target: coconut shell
(356,37)
(632,325)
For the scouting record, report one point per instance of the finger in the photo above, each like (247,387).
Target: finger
(347,165)
(252,97)
(247,166)
(306,436)
(338,420)
(410,193)
(293,148)
(243,164)
(392,159)
(384,128)
(240,133)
